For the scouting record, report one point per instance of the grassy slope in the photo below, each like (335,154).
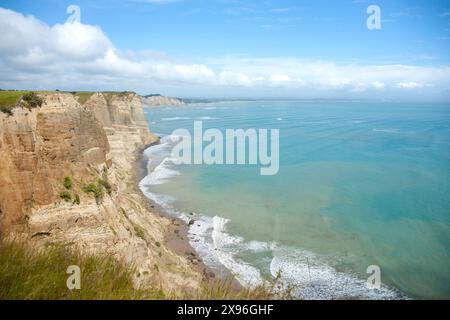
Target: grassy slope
(8,99)
(27,272)
(83,96)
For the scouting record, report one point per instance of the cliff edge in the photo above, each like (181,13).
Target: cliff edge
(68,176)
(158,100)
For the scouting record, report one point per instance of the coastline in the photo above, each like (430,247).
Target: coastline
(99,151)
(176,236)
(326,282)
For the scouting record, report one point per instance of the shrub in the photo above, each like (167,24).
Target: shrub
(94,189)
(65,196)
(139,232)
(32,100)
(106,185)
(68,183)
(7,110)
(77,200)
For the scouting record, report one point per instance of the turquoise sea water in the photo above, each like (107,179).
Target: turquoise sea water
(359,184)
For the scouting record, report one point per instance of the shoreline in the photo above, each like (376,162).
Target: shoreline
(176,237)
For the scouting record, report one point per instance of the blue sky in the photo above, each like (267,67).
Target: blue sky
(253,48)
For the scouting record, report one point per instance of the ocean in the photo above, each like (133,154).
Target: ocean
(359,184)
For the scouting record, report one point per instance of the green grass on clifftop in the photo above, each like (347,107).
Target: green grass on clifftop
(9,99)
(83,96)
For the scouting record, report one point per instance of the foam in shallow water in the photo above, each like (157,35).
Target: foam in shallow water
(311,277)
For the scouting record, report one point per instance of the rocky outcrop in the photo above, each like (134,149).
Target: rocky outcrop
(157,100)
(94,143)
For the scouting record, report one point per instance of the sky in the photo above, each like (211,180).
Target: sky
(229,48)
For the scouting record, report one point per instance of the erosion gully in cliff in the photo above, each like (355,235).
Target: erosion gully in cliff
(95,145)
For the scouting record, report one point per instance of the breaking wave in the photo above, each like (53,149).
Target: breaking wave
(308,273)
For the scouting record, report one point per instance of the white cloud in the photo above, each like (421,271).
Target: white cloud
(378,85)
(410,85)
(76,56)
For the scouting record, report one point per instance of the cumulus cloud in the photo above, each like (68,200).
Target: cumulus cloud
(79,56)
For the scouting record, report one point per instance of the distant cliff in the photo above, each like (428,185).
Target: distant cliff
(158,100)
(68,175)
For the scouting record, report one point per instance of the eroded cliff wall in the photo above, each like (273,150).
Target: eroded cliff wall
(95,144)
(39,147)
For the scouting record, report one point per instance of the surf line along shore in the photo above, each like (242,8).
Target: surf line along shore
(231,149)
(176,235)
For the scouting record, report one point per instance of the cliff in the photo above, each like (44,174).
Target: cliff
(157,100)
(95,147)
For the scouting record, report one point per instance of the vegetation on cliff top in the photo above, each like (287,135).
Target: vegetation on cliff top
(31,100)
(83,96)
(29,272)
(9,99)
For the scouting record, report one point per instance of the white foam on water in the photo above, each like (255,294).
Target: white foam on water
(225,247)
(218,249)
(207,118)
(161,174)
(315,280)
(387,130)
(311,276)
(200,239)
(174,118)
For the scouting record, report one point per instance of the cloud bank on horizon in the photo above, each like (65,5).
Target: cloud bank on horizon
(78,56)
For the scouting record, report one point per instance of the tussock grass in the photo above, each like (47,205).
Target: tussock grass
(28,272)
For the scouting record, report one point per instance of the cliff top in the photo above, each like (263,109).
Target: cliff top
(9,99)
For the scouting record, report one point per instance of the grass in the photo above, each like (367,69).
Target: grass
(83,96)
(110,94)
(139,232)
(105,184)
(77,200)
(68,183)
(28,272)
(9,99)
(96,190)
(65,196)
